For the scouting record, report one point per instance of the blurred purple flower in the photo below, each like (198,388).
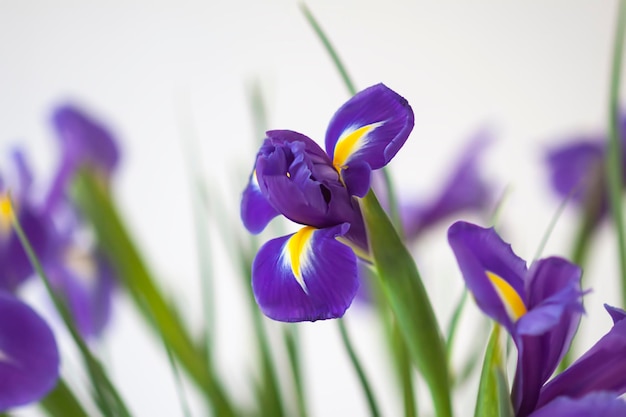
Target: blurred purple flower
(463,191)
(541,308)
(29,358)
(312,274)
(577,171)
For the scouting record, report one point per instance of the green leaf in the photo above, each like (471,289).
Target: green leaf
(493,393)
(407,297)
(614,163)
(106,395)
(97,206)
(61,402)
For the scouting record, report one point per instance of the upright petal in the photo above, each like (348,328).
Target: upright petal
(601,368)
(578,169)
(29,358)
(492,272)
(597,404)
(544,334)
(256,212)
(298,180)
(305,276)
(369,128)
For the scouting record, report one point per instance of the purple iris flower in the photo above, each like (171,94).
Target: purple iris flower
(84,142)
(464,191)
(312,274)
(541,307)
(577,170)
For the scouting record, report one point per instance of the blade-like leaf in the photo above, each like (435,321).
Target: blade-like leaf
(61,402)
(407,297)
(97,206)
(493,393)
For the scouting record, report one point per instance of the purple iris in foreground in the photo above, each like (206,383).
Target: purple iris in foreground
(312,274)
(578,168)
(541,307)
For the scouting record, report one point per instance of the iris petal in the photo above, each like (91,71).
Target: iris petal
(480,251)
(598,404)
(370,127)
(305,276)
(256,212)
(29,359)
(601,368)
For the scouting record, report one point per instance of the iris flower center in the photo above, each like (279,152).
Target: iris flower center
(512,301)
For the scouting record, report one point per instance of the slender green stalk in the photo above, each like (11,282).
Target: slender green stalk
(550,228)
(329,48)
(402,358)
(61,402)
(356,364)
(614,162)
(454,323)
(290,333)
(107,397)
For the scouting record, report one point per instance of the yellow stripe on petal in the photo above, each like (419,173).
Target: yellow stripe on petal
(512,301)
(6,213)
(350,143)
(297,248)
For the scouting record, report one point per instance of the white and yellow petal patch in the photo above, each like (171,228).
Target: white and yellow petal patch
(512,301)
(297,254)
(350,142)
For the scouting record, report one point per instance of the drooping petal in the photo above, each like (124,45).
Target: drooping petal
(86,282)
(597,404)
(492,272)
(543,335)
(464,190)
(298,180)
(601,368)
(29,358)
(256,212)
(370,127)
(305,276)
(617,314)
(14,262)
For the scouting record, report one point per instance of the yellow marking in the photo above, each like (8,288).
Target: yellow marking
(6,213)
(350,143)
(297,247)
(513,303)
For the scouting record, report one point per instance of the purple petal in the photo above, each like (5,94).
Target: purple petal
(256,211)
(465,190)
(371,127)
(544,334)
(85,140)
(577,168)
(598,404)
(29,359)
(479,251)
(14,262)
(601,368)
(617,314)
(299,181)
(87,283)
(305,276)
(24,173)
(357,178)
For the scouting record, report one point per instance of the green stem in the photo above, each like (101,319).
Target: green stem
(614,162)
(293,351)
(356,364)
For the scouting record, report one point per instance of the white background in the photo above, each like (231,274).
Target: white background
(535,72)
